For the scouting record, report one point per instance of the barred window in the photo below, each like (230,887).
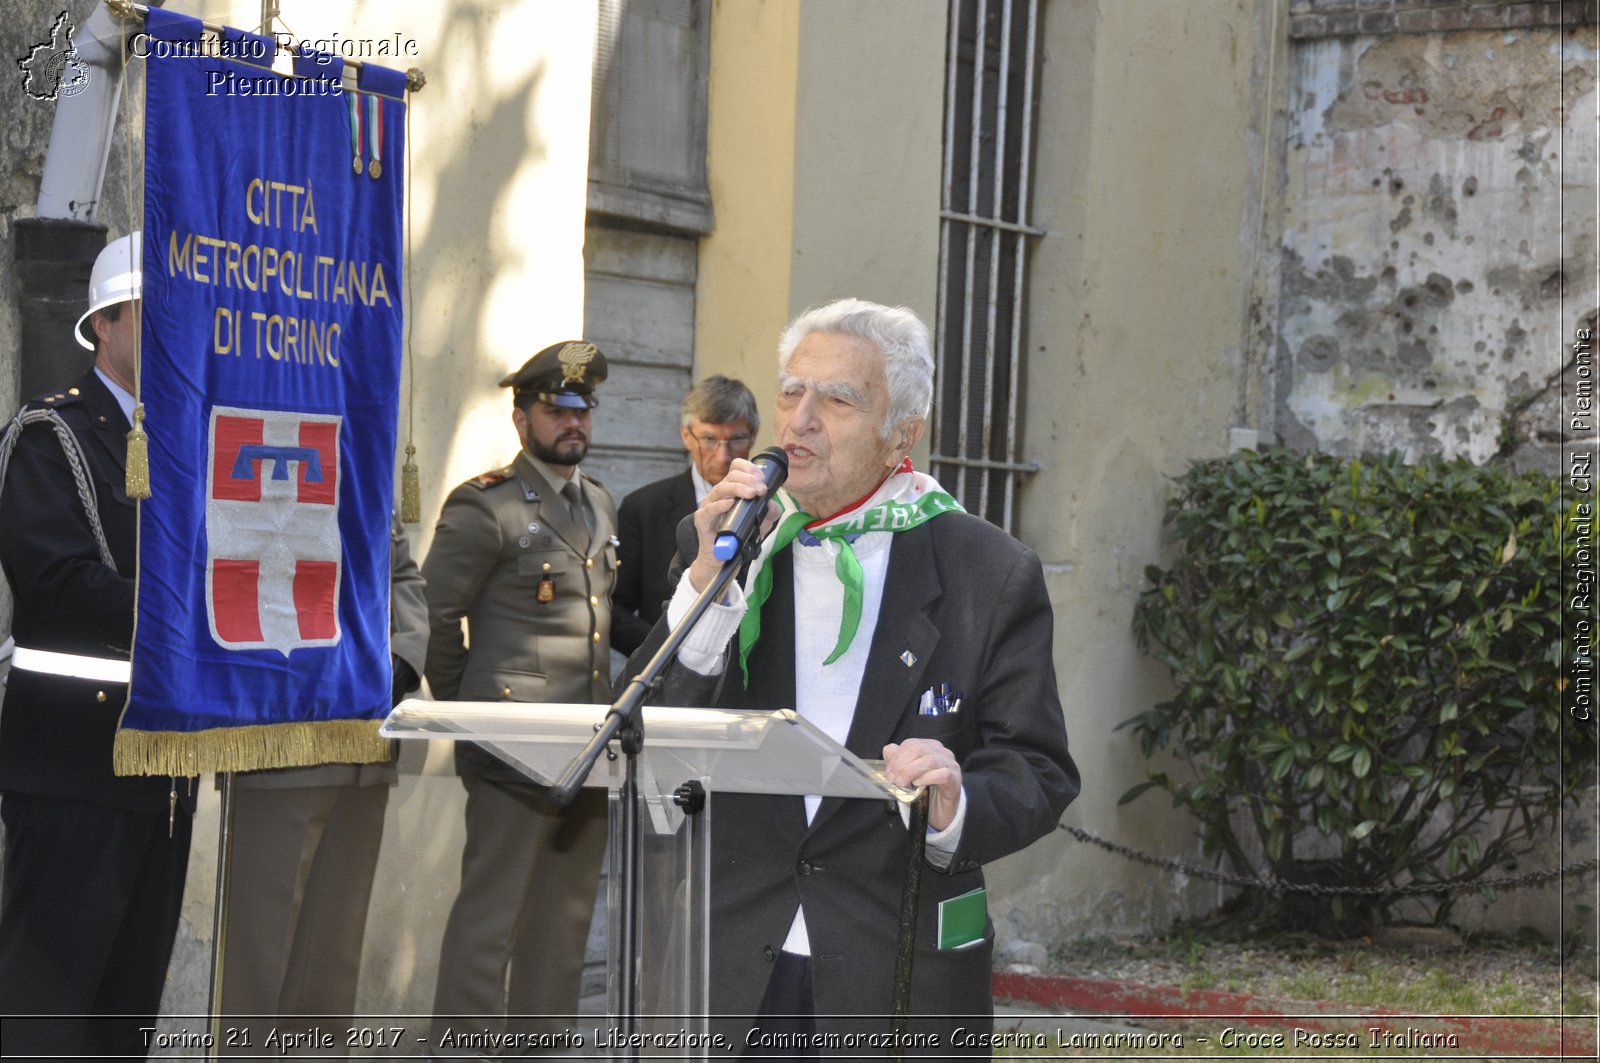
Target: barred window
(990,115)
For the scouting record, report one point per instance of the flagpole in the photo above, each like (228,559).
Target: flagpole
(219,918)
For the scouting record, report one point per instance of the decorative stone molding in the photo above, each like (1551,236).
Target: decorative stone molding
(1310,19)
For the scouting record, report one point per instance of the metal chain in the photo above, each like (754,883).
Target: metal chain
(74,454)
(1277,887)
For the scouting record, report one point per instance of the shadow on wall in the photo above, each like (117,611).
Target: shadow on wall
(479,139)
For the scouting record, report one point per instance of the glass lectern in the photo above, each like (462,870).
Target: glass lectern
(712,750)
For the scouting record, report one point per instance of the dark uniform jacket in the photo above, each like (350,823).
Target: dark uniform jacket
(499,535)
(964,604)
(648,521)
(56,732)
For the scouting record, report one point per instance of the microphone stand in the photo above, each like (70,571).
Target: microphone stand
(625,721)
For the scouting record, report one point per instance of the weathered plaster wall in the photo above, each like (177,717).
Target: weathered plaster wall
(1438,256)
(1150,176)
(742,292)
(1439,236)
(867,176)
(817,198)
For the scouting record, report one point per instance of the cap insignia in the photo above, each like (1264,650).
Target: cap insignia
(575,359)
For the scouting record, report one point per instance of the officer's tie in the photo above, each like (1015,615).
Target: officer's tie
(580,513)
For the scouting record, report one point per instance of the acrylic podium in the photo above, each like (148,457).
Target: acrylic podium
(686,751)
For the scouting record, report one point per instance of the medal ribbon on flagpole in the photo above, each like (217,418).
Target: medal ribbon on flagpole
(375,135)
(355,128)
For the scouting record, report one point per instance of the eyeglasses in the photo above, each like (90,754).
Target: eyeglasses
(739,444)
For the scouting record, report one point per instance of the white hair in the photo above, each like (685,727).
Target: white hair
(896,331)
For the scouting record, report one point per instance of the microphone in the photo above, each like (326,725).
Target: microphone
(744,518)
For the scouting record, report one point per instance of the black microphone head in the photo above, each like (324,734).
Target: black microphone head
(776,460)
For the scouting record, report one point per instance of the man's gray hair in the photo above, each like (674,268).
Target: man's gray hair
(721,400)
(895,330)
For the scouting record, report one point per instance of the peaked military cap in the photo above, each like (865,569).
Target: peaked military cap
(563,374)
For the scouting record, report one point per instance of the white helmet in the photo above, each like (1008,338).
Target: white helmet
(116,278)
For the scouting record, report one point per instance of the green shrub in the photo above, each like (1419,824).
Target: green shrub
(1365,655)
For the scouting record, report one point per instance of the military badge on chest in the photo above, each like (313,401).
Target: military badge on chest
(545,592)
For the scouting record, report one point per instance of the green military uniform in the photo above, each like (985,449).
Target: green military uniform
(509,558)
(499,537)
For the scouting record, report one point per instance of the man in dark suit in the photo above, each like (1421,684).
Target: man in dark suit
(906,630)
(720,421)
(94,862)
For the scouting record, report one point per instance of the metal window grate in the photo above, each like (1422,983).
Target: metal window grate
(990,108)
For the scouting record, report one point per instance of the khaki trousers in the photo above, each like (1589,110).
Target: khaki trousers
(300,883)
(512,957)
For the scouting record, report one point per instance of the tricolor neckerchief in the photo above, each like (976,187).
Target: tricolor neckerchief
(906,499)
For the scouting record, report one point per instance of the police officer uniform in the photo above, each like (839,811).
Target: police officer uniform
(531,573)
(94,862)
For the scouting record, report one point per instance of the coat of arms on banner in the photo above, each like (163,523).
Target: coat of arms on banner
(272,529)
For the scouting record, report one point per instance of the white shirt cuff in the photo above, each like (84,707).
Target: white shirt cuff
(703,650)
(941,845)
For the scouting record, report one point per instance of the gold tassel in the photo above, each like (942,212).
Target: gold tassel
(410,489)
(138,481)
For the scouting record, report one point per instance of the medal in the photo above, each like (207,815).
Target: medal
(355,130)
(546,592)
(375,135)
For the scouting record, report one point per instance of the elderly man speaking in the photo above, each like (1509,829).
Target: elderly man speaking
(907,630)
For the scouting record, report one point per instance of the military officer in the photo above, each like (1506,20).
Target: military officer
(526,555)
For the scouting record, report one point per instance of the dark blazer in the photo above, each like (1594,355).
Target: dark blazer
(646,523)
(968,604)
(56,732)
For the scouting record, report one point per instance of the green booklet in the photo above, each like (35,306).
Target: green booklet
(961,919)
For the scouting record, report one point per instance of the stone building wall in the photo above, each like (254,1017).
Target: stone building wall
(1438,261)
(1439,233)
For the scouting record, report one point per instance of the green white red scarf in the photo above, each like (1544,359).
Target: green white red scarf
(906,499)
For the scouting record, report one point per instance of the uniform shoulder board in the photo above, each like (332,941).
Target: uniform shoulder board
(56,399)
(490,478)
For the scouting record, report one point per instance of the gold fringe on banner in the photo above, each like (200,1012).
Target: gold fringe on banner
(278,745)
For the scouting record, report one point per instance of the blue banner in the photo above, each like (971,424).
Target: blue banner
(270,371)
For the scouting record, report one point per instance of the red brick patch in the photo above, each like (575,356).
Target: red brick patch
(1490,1035)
